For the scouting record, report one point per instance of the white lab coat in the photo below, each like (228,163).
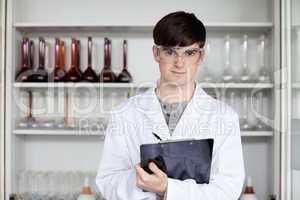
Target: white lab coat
(132,123)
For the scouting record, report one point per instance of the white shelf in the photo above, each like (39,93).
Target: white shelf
(256,133)
(79,27)
(245,26)
(134,85)
(57,132)
(80,85)
(237,85)
(101,134)
(249,26)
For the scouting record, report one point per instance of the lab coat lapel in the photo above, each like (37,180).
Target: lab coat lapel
(149,104)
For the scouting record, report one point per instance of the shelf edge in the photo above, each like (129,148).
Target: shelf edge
(72,133)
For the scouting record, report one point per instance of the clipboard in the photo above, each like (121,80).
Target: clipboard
(184,159)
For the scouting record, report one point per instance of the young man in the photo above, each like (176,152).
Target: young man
(176,109)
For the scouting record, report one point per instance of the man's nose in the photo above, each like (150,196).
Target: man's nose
(179,61)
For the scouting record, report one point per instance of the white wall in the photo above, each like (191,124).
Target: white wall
(137,12)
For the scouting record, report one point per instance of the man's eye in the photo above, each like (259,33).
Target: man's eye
(190,52)
(168,52)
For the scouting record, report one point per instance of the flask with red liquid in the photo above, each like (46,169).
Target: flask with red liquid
(107,75)
(125,76)
(89,74)
(74,74)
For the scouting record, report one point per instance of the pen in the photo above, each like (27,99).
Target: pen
(157,137)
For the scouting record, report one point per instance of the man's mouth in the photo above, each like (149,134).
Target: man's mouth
(179,73)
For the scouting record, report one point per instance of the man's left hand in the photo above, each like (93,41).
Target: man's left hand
(156,182)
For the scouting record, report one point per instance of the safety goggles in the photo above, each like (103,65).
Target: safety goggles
(171,54)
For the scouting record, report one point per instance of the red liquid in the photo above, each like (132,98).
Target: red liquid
(89,74)
(107,75)
(59,72)
(40,75)
(30,117)
(74,74)
(27,61)
(125,76)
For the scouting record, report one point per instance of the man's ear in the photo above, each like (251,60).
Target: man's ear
(203,53)
(155,54)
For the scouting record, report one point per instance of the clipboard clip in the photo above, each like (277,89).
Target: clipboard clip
(167,141)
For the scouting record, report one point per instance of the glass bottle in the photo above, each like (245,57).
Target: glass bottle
(264,75)
(78,50)
(31,60)
(89,74)
(74,74)
(66,110)
(41,75)
(260,107)
(244,116)
(227,73)
(245,76)
(249,191)
(21,75)
(86,191)
(26,70)
(125,76)
(29,121)
(232,99)
(59,72)
(107,75)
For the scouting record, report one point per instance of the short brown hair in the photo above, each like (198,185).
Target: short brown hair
(179,29)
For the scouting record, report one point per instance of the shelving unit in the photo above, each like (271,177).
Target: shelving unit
(245,26)
(26,147)
(2,98)
(133,85)
(58,132)
(80,85)
(97,133)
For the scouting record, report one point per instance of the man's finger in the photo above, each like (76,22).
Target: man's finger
(140,170)
(156,170)
(139,180)
(143,175)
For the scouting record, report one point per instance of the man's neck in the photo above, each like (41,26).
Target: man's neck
(175,93)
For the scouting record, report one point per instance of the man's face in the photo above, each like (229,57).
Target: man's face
(178,66)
